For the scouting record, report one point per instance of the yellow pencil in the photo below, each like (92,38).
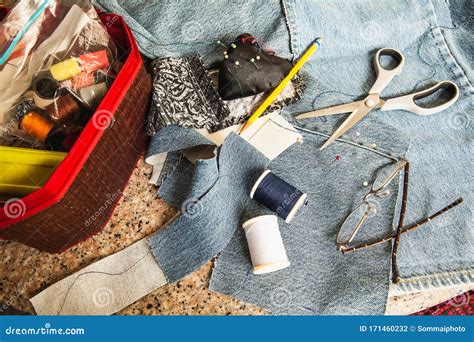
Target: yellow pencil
(268,101)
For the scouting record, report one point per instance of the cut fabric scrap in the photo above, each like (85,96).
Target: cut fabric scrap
(420,301)
(212,209)
(303,288)
(461,305)
(271,135)
(241,109)
(164,151)
(103,287)
(183,94)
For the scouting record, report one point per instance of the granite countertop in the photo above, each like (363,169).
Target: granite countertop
(25,271)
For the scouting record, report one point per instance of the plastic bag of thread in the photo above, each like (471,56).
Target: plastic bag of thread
(57,62)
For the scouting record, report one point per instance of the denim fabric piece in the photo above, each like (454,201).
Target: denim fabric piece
(175,138)
(341,71)
(320,280)
(441,146)
(209,217)
(174,28)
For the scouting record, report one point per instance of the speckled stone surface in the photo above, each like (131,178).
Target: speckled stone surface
(25,271)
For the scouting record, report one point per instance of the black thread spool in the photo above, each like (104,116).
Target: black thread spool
(278,196)
(45,90)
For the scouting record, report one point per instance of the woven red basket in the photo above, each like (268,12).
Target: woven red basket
(79,198)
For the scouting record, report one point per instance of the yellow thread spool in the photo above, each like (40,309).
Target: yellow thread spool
(66,69)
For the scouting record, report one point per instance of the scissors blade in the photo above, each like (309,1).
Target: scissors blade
(352,119)
(340,109)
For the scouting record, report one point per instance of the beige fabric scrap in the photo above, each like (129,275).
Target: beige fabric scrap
(105,286)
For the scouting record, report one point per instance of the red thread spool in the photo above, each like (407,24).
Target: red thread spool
(63,109)
(93,61)
(85,79)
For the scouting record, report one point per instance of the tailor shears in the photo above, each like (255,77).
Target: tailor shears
(360,109)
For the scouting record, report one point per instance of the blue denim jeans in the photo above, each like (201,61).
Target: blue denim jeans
(434,37)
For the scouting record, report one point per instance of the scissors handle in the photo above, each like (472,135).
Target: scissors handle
(385,76)
(407,102)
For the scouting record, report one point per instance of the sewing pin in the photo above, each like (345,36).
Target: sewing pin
(257,58)
(237,63)
(252,60)
(221,44)
(233,46)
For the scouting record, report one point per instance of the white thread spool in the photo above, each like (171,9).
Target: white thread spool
(93,95)
(265,244)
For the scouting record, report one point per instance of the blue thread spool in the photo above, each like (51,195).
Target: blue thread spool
(278,196)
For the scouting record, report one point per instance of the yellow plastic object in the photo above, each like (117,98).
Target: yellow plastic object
(66,69)
(24,170)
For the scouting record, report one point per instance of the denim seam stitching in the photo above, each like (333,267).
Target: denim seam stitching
(289,28)
(441,44)
(436,275)
(293,23)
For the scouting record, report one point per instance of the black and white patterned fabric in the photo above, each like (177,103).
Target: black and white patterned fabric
(183,94)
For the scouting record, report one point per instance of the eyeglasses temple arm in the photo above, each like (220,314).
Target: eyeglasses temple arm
(401,223)
(407,230)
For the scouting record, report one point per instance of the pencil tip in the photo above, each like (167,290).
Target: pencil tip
(326,144)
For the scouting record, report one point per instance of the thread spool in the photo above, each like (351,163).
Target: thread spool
(45,90)
(93,95)
(278,196)
(85,79)
(36,125)
(93,61)
(265,244)
(63,109)
(71,67)
(65,69)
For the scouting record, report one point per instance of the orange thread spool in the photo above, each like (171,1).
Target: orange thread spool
(36,125)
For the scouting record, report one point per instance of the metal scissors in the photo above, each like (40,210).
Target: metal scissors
(360,109)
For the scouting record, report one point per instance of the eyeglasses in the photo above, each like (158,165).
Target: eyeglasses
(367,209)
